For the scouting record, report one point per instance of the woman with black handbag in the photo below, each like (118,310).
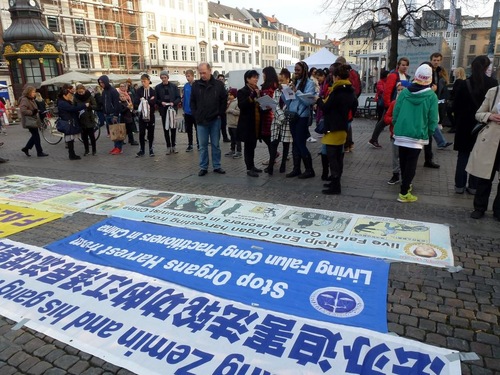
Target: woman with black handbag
(30,121)
(68,116)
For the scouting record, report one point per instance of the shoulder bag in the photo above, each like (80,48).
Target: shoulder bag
(67,127)
(32,122)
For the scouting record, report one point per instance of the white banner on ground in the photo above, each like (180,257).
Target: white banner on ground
(60,196)
(373,236)
(155,327)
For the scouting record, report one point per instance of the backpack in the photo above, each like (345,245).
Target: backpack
(355,82)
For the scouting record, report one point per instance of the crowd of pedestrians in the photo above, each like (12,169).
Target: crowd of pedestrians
(281,111)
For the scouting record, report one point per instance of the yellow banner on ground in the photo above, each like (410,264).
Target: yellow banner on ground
(14,219)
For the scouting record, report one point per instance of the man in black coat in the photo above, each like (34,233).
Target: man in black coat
(208,104)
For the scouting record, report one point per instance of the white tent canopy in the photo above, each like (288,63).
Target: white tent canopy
(70,77)
(321,59)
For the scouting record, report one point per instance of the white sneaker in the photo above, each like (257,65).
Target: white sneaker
(311,139)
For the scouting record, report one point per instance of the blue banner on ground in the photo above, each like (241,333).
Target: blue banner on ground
(309,283)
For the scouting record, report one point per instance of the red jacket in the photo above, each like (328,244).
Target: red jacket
(390,87)
(388,117)
(266,116)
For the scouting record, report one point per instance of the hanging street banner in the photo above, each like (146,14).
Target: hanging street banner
(44,194)
(15,219)
(316,284)
(150,326)
(371,236)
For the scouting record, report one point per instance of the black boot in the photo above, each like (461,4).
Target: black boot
(333,188)
(286,148)
(296,167)
(326,167)
(71,151)
(309,172)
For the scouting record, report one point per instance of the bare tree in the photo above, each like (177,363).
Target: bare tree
(397,16)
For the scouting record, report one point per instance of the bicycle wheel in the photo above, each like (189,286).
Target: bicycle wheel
(50,133)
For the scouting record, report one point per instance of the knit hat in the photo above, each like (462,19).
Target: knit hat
(164,73)
(423,75)
(233,92)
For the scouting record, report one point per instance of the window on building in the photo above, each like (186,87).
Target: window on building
(358,42)
(201,27)
(175,52)
(351,53)
(150,21)
(172,4)
(257,58)
(237,57)
(215,55)
(214,33)
(229,36)
(190,6)
(130,5)
(118,31)
(53,23)
(152,51)
(374,46)
(203,53)
(32,70)
(182,26)
(472,48)
(79,27)
(250,58)
(84,60)
(164,24)
(236,38)
(473,36)
(184,53)
(222,57)
(181,4)
(106,62)
(193,53)
(122,61)
(173,25)
(132,30)
(103,29)
(229,56)
(256,40)
(164,48)
(136,62)
(222,34)
(243,57)
(243,38)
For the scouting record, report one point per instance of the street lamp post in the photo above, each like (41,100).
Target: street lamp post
(494,27)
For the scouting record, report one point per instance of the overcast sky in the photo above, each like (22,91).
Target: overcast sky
(308,15)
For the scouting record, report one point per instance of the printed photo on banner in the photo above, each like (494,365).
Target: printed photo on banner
(325,286)
(15,219)
(154,327)
(194,204)
(391,229)
(252,211)
(309,219)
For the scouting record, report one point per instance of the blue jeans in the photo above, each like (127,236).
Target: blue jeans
(205,131)
(300,133)
(109,120)
(460,173)
(438,136)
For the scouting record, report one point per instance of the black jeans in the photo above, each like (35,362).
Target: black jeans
(249,153)
(429,156)
(223,127)
(335,159)
(34,141)
(235,143)
(484,190)
(408,159)
(379,127)
(88,133)
(189,123)
(150,128)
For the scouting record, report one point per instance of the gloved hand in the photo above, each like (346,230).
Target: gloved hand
(35,111)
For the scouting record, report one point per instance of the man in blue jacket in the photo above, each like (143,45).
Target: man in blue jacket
(208,103)
(110,101)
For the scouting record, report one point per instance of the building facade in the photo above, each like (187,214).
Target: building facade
(475,41)
(235,41)
(268,36)
(176,34)
(309,44)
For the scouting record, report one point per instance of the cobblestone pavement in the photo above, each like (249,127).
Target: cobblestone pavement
(453,310)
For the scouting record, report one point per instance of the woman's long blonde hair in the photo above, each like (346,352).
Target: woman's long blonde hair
(459,73)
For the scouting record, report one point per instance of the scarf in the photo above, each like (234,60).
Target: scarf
(341,82)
